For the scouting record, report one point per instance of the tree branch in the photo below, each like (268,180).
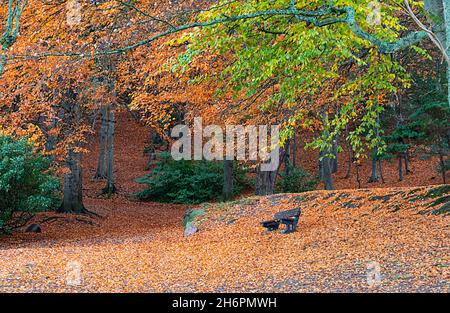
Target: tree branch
(319,17)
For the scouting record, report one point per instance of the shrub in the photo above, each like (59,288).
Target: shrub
(26,185)
(297,180)
(186,181)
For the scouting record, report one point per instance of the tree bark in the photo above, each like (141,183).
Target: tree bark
(439,17)
(294,149)
(287,157)
(325,170)
(381,171)
(400,168)
(327,173)
(442,165)
(73,186)
(406,157)
(265,181)
(374,175)
(326,163)
(321,158)
(101,165)
(110,186)
(227,180)
(350,156)
(334,161)
(446,7)
(358,177)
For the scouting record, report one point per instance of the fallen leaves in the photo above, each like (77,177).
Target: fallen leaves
(140,247)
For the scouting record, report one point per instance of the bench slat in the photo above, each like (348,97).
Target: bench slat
(288,214)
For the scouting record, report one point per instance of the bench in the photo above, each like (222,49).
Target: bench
(289,218)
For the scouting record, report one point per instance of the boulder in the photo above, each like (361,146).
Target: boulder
(189,230)
(33,228)
(191,215)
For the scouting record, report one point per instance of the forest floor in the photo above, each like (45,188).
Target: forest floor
(140,247)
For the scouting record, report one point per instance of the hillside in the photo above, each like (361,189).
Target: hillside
(138,246)
(339,233)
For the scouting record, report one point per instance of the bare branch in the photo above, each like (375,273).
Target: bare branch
(430,34)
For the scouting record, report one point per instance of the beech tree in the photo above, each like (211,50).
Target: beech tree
(314,57)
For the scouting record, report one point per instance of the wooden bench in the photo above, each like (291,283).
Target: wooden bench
(288,218)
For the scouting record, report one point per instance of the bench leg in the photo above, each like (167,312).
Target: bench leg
(294,225)
(288,228)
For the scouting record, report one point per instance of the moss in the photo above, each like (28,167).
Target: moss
(191,215)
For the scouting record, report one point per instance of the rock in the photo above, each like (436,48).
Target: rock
(190,230)
(33,228)
(191,215)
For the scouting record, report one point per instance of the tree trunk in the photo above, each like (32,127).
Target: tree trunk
(326,163)
(334,161)
(294,149)
(327,173)
(350,156)
(227,180)
(349,167)
(439,17)
(110,186)
(436,17)
(446,6)
(400,168)
(325,170)
(321,158)
(406,157)
(381,171)
(265,181)
(287,158)
(101,165)
(358,177)
(73,186)
(51,140)
(374,175)
(443,169)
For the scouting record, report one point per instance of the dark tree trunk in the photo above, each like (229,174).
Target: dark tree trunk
(73,186)
(101,165)
(51,140)
(350,155)
(358,177)
(227,180)
(327,173)
(326,163)
(400,168)
(406,156)
(374,176)
(110,186)
(265,181)
(321,159)
(349,167)
(381,171)
(334,161)
(287,158)
(443,169)
(294,149)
